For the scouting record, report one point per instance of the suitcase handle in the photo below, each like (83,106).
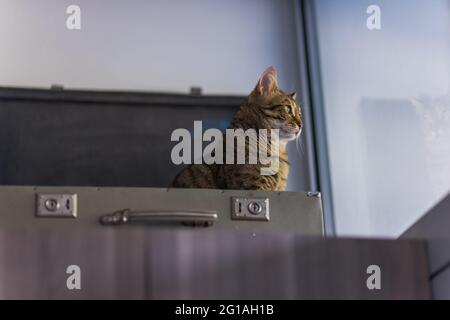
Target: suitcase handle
(192,218)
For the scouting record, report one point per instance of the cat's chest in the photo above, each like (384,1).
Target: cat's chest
(283,174)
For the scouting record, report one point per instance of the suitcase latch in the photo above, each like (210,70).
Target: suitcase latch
(56,205)
(250,209)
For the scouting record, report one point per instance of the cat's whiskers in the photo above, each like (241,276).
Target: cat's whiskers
(299,144)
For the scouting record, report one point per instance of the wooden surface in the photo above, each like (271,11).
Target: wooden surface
(144,264)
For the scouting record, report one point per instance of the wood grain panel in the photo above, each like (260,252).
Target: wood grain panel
(165,264)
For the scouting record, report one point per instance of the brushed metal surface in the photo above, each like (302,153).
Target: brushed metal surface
(289,211)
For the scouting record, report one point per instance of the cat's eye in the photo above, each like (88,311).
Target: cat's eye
(288,109)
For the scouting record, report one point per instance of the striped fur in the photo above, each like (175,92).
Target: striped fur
(267,107)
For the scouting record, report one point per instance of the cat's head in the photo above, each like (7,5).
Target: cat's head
(278,109)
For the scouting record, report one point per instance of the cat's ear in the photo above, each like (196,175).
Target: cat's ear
(267,84)
(293,95)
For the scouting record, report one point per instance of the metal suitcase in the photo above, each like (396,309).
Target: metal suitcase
(84,207)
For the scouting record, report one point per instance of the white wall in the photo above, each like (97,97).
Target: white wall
(387,104)
(156,45)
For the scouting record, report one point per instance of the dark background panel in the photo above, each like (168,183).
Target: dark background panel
(98,138)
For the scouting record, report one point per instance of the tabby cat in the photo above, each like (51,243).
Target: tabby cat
(267,107)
